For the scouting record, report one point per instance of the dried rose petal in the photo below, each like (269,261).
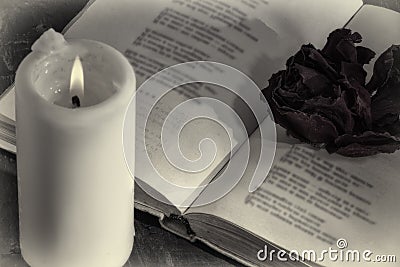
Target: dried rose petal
(309,128)
(386,83)
(364,55)
(385,66)
(341,47)
(359,101)
(367,144)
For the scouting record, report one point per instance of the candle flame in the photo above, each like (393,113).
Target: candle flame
(76,86)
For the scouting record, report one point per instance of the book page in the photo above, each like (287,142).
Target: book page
(312,199)
(253,36)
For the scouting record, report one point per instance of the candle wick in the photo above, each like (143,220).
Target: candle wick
(76,102)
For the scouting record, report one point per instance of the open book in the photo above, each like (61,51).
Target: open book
(310,199)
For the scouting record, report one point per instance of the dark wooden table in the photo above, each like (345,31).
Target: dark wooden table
(22,22)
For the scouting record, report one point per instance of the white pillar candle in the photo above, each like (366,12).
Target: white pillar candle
(75,190)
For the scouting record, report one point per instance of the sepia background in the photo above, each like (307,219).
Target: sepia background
(21,23)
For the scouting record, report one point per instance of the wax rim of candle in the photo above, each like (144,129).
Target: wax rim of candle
(122,96)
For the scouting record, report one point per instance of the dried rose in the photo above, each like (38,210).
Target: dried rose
(322,97)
